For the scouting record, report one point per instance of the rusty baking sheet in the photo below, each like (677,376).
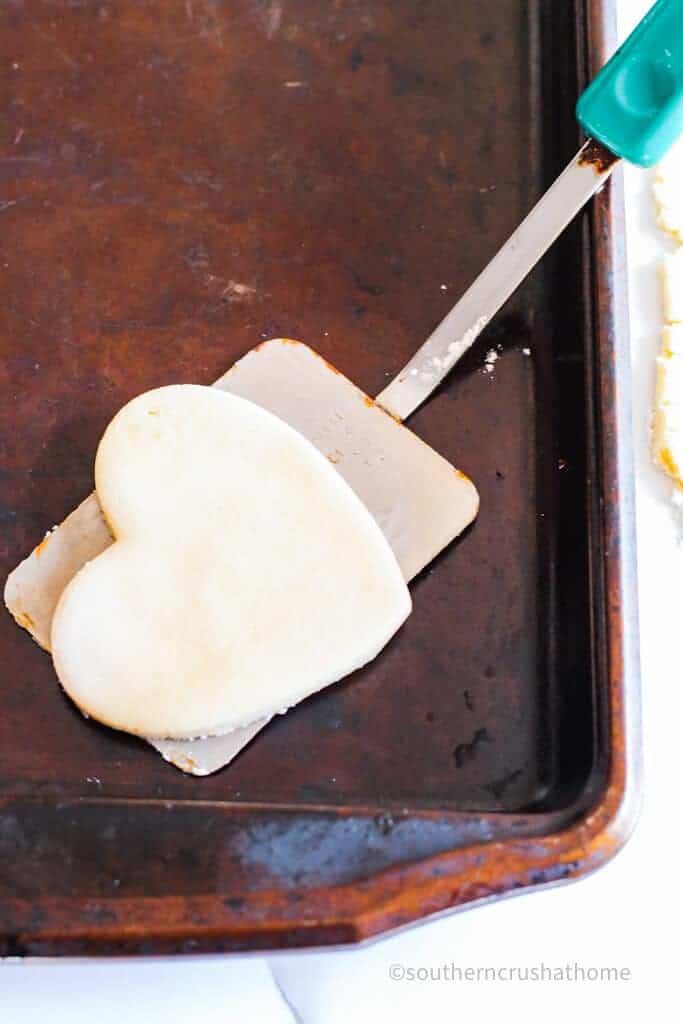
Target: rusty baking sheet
(181,180)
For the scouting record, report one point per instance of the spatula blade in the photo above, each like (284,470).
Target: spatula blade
(420,500)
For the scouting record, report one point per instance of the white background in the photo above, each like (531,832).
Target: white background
(626,915)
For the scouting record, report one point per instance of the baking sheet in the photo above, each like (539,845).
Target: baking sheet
(183,181)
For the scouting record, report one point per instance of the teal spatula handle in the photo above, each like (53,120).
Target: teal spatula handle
(635,104)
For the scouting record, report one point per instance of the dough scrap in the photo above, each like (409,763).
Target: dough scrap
(667,417)
(667,420)
(671,276)
(668,193)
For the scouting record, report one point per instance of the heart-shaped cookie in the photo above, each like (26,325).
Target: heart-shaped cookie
(245,574)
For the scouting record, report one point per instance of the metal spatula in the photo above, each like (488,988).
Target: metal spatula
(420,501)
(634,110)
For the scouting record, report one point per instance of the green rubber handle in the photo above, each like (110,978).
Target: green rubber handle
(635,104)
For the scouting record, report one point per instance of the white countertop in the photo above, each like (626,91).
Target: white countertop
(624,916)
